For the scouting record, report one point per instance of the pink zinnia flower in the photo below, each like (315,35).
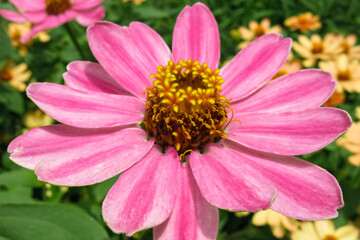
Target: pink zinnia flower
(176,172)
(44,14)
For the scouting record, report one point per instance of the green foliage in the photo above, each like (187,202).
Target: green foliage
(44,221)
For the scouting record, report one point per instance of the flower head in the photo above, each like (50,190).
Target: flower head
(325,230)
(351,142)
(44,14)
(16,76)
(346,44)
(279,223)
(303,22)
(136,2)
(190,138)
(256,30)
(17,30)
(345,71)
(316,48)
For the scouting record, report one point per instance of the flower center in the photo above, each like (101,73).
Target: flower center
(346,47)
(259,31)
(317,47)
(55,7)
(344,75)
(330,237)
(5,74)
(184,108)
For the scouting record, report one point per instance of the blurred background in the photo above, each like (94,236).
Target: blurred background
(325,35)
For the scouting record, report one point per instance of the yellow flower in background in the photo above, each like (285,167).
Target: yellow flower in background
(289,67)
(16,76)
(37,119)
(346,44)
(315,48)
(279,223)
(336,98)
(256,30)
(16,30)
(325,230)
(345,71)
(136,2)
(242,214)
(303,22)
(351,142)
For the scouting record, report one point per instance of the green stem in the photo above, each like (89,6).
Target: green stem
(74,40)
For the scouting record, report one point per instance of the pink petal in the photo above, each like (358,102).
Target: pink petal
(144,195)
(289,133)
(87,18)
(196,36)
(296,91)
(305,191)
(85,110)
(70,156)
(128,54)
(253,66)
(91,77)
(229,182)
(78,156)
(33,5)
(12,16)
(193,217)
(35,17)
(85,4)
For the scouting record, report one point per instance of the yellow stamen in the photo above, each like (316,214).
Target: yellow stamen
(184,108)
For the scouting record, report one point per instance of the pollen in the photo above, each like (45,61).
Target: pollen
(55,7)
(184,106)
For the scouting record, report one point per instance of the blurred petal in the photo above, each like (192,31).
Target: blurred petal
(89,17)
(196,36)
(87,110)
(12,16)
(192,217)
(289,133)
(144,195)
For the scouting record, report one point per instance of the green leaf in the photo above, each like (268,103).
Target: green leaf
(100,190)
(11,98)
(42,221)
(5,43)
(150,12)
(16,195)
(21,177)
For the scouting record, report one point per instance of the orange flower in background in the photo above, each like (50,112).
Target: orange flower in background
(345,71)
(279,223)
(256,30)
(336,99)
(351,142)
(136,2)
(325,230)
(303,22)
(315,48)
(17,30)
(16,76)
(346,44)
